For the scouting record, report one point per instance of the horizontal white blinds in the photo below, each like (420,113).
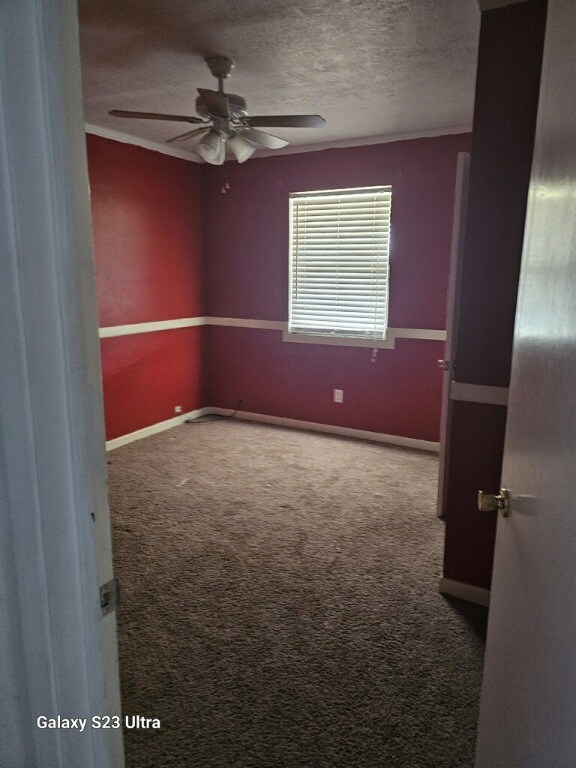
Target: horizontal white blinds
(339,262)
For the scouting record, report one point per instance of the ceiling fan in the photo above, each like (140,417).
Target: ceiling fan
(225,122)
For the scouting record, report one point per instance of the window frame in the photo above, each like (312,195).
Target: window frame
(387,340)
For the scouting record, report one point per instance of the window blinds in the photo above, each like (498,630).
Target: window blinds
(339,262)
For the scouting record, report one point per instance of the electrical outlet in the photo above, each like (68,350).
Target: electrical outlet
(177,409)
(338,395)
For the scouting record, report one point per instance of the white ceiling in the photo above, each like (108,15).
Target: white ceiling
(372,68)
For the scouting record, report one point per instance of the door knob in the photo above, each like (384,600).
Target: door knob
(444,364)
(495,502)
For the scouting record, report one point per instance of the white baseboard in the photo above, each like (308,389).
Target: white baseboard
(280,421)
(153,429)
(362,434)
(463,591)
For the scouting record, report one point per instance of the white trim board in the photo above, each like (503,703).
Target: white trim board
(478,393)
(428,334)
(110,331)
(291,149)
(240,322)
(338,341)
(365,141)
(464,591)
(279,421)
(312,426)
(136,141)
(388,343)
(153,429)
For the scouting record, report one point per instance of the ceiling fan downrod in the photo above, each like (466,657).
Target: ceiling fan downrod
(220,67)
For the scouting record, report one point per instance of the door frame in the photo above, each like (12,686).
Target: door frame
(452,312)
(60,655)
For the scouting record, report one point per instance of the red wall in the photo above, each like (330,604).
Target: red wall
(157,220)
(246,256)
(506,106)
(146,216)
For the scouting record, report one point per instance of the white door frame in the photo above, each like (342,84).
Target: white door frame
(58,654)
(452,313)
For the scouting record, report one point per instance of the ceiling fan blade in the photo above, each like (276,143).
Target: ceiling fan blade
(285,121)
(155,116)
(188,134)
(264,139)
(216,103)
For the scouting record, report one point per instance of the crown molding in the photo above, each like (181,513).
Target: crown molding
(291,149)
(363,141)
(490,5)
(126,138)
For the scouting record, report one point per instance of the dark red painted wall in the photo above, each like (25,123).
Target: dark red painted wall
(507,91)
(157,220)
(146,218)
(506,105)
(146,374)
(390,395)
(246,251)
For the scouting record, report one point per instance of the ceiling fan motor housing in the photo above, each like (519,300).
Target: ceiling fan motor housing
(236,104)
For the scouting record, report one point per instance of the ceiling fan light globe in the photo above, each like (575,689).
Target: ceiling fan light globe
(241,147)
(211,148)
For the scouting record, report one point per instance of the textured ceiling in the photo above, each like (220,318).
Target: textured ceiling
(370,67)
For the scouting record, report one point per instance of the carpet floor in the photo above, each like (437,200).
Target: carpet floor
(281,606)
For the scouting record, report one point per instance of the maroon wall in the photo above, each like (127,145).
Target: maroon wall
(246,254)
(146,218)
(507,89)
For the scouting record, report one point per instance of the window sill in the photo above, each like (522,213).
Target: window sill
(339,341)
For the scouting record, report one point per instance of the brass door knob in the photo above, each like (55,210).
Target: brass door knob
(495,502)
(444,364)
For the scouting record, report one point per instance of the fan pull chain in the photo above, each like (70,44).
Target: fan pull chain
(226,186)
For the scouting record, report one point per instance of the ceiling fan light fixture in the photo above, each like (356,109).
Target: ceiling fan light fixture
(241,147)
(211,148)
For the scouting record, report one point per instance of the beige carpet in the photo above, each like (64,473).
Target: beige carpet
(280,604)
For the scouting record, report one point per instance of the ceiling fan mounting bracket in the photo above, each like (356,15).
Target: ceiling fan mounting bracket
(220,66)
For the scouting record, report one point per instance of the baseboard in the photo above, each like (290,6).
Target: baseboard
(153,429)
(280,421)
(312,426)
(463,591)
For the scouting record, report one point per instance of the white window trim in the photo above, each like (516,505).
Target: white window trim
(340,341)
(427,334)
(302,337)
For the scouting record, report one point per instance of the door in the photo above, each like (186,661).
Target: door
(528,703)
(58,650)
(458,232)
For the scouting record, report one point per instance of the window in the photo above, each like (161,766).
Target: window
(339,262)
